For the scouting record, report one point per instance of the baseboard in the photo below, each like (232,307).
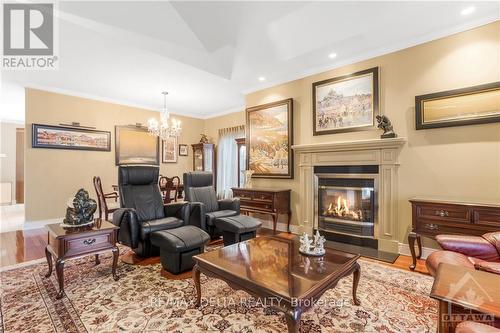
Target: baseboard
(29,225)
(404,249)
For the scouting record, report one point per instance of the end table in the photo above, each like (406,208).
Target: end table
(67,243)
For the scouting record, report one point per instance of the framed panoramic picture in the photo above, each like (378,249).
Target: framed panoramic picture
(346,103)
(269,139)
(62,137)
(459,107)
(183,150)
(169,150)
(134,145)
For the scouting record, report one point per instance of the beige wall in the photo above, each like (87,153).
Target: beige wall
(460,163)
(53,175)
(8,147)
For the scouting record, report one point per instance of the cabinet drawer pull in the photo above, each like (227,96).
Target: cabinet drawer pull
(442,213)
(431,226)
(89,241)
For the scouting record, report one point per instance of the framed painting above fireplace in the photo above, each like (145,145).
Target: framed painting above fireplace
(346,103)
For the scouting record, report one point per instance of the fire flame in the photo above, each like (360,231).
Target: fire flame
(341,209)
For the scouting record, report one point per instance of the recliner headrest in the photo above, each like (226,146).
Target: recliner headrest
(198,179)
(138,175)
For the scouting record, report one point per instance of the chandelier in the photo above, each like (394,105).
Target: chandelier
(164,129)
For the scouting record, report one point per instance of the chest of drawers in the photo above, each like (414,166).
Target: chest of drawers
(265,201)
(434,217)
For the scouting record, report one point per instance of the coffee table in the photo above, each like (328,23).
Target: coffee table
(272,270)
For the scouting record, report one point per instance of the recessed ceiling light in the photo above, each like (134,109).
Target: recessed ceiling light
(332,55)
(262,79)
(468,10)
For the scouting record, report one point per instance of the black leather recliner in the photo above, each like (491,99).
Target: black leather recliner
(199,191)
(143,210)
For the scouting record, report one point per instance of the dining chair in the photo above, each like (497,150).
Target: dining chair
(169,188)
(105,206)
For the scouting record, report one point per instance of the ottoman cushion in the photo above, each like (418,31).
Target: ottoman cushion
(180,239)
(237,224)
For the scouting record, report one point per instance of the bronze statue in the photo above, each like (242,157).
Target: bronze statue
(81,209)
(384,124)
(204,138)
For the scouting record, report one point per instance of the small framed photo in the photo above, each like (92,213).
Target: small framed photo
(183,150)
(169,150)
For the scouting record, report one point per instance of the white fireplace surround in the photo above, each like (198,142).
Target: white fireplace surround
(381,152)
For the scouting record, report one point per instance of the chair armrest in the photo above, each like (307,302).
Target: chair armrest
(111,195)
(197,217)
(488,266)
(230,204)
(471,246)
(181,210)
(128,222)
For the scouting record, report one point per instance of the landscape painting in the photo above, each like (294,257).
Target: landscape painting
(347,103)
(61,137)
(466,106)
(134,145)
(269,138)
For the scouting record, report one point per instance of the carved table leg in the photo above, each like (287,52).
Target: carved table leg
(412,236)
(97,261)
(197,285)
(293,320)
(48,255)
(288,222)
(275,222)
(419,245)
(116,253)
(355,282)
(60,277)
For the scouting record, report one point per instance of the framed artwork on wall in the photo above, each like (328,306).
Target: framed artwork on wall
(134,145)
(346,103)
(183,150)
(63,137)
(169,150)
(459,107)
(269,139)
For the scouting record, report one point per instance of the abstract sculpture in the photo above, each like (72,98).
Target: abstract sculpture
(312,247)
(80,211)
(385,124)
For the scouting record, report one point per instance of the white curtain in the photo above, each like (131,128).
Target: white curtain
(227,162)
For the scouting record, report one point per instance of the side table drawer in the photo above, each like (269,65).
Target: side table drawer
(487,217)
(87,244)
(262,196)
(445,213)
(243,194)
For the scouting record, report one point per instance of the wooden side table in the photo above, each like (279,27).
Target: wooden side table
(68,243)
(460,291)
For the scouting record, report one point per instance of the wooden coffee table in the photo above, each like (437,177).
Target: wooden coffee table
(460,291)
(66,243)
(272,270)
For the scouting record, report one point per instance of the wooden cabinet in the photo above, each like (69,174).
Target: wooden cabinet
(265,201)
(434,217)
(204,157)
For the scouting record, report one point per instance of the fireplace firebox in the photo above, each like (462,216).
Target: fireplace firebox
(345,201)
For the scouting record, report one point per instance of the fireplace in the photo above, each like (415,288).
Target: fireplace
(346,200)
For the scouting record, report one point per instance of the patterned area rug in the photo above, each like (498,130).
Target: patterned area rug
(392,300)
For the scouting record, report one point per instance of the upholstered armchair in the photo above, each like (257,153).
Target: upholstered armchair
(480,252)
(143,210)
(199,190)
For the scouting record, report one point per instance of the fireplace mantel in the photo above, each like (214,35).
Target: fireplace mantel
(350,145)
(381,152)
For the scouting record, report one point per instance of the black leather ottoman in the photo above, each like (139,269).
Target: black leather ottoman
(178,246)
(237,228)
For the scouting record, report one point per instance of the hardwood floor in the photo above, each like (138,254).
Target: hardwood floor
(21,246)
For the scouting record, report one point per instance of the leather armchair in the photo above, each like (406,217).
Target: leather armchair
(143,210)
(200,192)
(480,252)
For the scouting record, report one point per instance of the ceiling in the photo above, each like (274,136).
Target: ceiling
(209,54)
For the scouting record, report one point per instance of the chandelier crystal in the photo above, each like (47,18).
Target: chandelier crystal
(164,128)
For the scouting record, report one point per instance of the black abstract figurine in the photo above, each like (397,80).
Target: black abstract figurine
(81,210)
(385,124)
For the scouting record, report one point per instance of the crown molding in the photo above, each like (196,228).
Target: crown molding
(108,100)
